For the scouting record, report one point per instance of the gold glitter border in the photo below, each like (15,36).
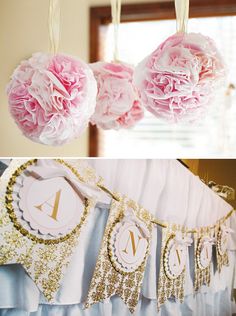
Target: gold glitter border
(111,256)
(219,242)
(166,259)
(198,254)
(13,218)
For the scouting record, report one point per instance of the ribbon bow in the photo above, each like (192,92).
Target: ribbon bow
(183,240)
(48,169)
(130,216)
(226,230)
(209,240)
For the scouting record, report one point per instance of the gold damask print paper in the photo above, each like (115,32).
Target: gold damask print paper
(174,252)
(111,276)
(203,244)
(222,257)
(44,260)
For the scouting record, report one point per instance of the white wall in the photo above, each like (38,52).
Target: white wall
(23,30)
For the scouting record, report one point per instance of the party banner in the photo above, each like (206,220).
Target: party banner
(46,203)
(123,255)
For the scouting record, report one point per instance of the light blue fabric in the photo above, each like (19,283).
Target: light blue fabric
(15,287)
(217,304)
(19,291)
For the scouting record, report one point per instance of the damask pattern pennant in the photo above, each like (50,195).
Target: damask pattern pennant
(174,252)
(203,244)
(44,256)
(123,255)
(221,247)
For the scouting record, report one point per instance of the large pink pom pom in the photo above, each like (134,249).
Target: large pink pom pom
(178,79)
(118,105)
(52,98)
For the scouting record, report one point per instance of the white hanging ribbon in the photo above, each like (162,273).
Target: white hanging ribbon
(54,25)
(116,14)
(48,169)
(182,14)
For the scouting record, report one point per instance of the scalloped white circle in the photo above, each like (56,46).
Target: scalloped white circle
(205,255)
(50,206)
(129,246)
(176,259)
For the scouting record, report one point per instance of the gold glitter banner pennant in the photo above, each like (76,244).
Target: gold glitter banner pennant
(123,255)
(174,252)
(203,244)
(41,221)
(222,234)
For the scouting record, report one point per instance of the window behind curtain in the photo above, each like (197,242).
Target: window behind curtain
(151,136)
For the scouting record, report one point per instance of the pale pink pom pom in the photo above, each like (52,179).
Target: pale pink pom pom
(52,98)
(118,104)
(178,80)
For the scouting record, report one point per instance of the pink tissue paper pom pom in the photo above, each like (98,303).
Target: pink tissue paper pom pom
(177,81)
(52,98)
(118,103)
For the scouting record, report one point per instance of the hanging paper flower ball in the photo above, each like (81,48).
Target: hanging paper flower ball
(118,104)
(52,98)
(178,80)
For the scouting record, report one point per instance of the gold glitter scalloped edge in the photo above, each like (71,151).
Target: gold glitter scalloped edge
(13,218)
